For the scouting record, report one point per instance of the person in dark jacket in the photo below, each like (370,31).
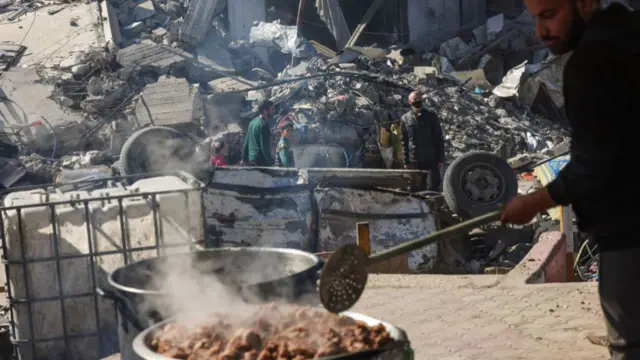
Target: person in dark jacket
(284,153)
(602,97)
(257,141)
(422,140)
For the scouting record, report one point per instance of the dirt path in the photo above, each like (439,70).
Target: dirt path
(471,317)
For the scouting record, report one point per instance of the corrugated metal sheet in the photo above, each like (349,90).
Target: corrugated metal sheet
(286,208)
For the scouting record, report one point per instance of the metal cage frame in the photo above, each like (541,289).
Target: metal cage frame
(91,255)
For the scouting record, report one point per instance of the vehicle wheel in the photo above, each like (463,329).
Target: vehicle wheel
(157,149)
(477,183)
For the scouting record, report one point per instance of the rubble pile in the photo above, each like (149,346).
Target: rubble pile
(172,63)
(470,122)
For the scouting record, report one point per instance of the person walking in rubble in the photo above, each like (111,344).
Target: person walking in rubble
(284,154)
(602,93)
(422,141)
(257,142)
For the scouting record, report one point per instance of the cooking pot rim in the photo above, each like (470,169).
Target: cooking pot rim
(140,347)
(315,265)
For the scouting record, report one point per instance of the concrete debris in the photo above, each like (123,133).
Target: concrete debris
(181,63)
(170,101)
(143,11)
(198,20)
(286,39)
(154,57)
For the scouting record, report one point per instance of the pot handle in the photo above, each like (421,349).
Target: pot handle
(122,306)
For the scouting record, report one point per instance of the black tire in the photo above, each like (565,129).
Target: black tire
(501,181)
(157,149)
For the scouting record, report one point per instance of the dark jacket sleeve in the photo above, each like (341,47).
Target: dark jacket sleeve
(595,110)
(265,143)
(437,132)
(405,141)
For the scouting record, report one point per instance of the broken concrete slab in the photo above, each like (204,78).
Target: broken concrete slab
(152,56)
(231,84)
(144,11)
(170,101)
(110,27)
(49,38)
(454,49)
(198,20)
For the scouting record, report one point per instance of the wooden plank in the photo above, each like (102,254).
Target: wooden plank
(364,22)
(363,238)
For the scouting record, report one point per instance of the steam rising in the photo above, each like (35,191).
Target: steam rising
(192,287)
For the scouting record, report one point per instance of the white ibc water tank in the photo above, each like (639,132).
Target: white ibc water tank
(66,243)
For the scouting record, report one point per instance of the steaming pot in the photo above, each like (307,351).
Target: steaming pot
(255,274)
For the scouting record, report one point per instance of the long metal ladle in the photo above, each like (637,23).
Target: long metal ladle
(344,275)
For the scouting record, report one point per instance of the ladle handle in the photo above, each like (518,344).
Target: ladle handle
(461,228)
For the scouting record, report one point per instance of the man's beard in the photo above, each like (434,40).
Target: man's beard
(574,34)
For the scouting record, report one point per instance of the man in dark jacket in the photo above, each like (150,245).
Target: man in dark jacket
(422,140)
(257,141)
(602,93)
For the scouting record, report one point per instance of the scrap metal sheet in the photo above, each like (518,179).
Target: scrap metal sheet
(249,216)
(549,171)
(393,219)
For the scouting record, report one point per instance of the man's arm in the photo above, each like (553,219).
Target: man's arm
(265,142)
(596,111)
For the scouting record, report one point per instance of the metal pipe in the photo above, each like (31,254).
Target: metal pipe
(298,21)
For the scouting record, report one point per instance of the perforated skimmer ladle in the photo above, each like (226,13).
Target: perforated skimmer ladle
(344,275)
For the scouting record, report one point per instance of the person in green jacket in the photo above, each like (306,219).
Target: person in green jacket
(284,154)
(257,141)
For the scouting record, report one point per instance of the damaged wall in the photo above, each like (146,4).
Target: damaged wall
(434,21)
(242,14)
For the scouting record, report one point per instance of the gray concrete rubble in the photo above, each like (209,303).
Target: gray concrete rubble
(152,56)
(198,20)
(180,63)
(170,101)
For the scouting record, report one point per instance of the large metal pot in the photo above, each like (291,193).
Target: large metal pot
(402,351)
(283,274)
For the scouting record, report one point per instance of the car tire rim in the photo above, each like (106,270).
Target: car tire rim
(482,183)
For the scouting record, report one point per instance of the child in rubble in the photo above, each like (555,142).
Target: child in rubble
(218,148)
(284,154)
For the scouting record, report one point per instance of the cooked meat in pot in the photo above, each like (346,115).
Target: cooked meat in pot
(274,332)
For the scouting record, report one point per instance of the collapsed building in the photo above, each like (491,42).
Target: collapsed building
(87,103)
(200,66)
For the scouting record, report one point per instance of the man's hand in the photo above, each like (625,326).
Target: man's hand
(407,167)
(522,208)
